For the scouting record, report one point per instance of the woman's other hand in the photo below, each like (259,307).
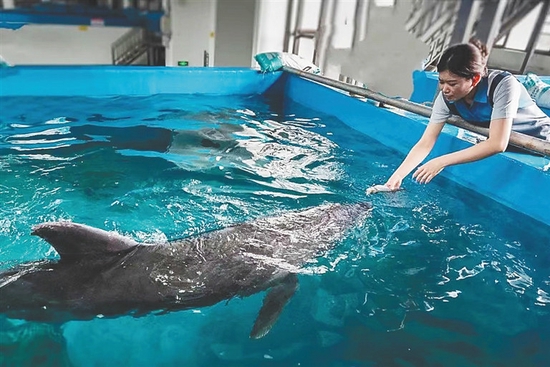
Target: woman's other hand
(425,173)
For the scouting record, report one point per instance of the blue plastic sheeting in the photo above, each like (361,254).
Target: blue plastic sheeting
(515,180)
(426,86)
(78,15)
(130,80)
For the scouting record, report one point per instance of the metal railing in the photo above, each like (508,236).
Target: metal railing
(539,39)
(295,31)
(514,12)
(433,22)
(136,43)
(543,44)
(436,22)
(129,47)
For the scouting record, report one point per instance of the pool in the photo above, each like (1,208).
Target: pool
(437,275)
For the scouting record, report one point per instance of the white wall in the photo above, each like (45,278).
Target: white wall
(193,31)
(388,55)
(223,28)
(234,32)
(57,44)
(270,26)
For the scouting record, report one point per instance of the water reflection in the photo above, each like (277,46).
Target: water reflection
(284,156)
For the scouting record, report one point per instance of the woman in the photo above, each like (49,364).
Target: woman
(497,100)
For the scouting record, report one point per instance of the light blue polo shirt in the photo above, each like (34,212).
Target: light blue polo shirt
(510,100)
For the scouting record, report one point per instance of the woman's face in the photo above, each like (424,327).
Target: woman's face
(456,87)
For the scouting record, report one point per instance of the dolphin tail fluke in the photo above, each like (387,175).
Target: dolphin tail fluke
(274,302)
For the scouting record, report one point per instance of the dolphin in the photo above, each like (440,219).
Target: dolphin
(102,273)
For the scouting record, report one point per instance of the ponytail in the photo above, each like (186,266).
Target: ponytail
(465,59)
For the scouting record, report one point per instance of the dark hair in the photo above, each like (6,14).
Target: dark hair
(465,59)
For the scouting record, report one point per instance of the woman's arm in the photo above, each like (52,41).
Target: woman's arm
(416,155)
(505,107)
(499,135)
(440,113)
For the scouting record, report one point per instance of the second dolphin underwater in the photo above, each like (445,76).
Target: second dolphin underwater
(104,273)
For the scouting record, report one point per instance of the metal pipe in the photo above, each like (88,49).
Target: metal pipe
(288,22)
(206,59)
(320,31)
(297,27)
(519,140)
(306,33)
(356,15)
(463,18)
(325,31)
(530,50)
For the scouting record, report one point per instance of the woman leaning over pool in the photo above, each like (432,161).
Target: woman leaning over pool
(496,100)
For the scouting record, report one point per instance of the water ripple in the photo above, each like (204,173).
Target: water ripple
(543,298)
(518,279)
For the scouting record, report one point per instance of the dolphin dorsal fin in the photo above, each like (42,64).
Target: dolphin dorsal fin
(73,240)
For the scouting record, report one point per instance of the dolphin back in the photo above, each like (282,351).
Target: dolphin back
(299,236)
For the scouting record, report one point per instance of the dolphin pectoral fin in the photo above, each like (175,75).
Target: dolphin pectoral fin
(274,302)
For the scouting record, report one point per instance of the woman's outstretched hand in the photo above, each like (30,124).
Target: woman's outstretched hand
(394,182)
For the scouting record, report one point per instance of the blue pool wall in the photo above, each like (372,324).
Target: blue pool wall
(515,180)
(98,81)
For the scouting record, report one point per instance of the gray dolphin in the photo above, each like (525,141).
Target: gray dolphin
(104,273)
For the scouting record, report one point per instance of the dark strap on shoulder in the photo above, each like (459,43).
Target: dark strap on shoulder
(496,80)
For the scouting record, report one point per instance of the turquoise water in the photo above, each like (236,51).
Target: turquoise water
(438,275)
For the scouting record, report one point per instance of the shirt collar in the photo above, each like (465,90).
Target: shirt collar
(481,92)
